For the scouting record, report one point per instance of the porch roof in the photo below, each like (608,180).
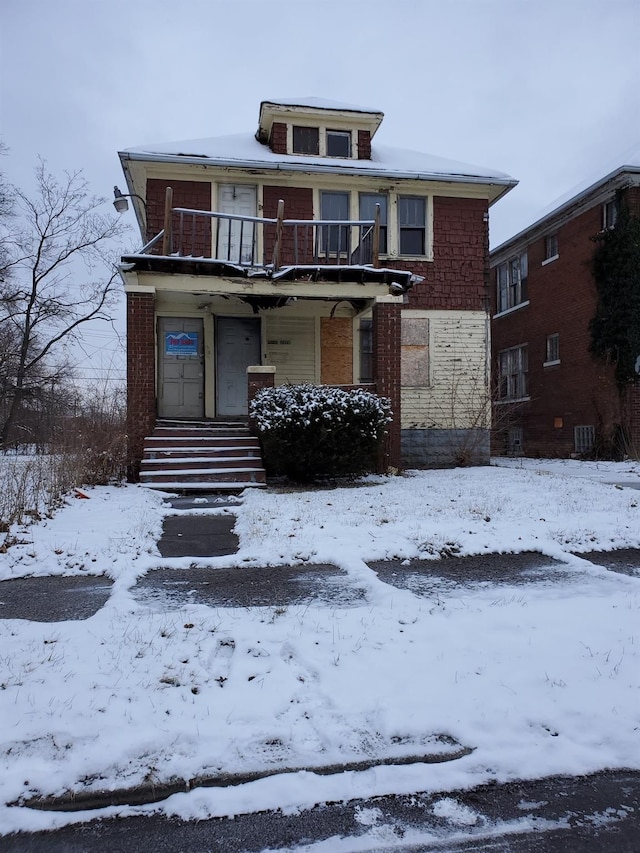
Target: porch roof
(398,281)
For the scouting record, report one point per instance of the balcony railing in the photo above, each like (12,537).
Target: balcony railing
(259,242)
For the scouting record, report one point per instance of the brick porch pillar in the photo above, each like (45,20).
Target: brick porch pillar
(634,419)
(386,370)
(141,385)
(259,376)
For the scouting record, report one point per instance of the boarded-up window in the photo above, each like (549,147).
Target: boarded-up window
(415,352)
(336,345)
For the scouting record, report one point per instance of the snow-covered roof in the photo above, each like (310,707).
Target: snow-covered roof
(320,104)
(244,151)
(626,164)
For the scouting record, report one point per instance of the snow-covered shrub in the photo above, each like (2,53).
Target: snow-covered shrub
(313,431)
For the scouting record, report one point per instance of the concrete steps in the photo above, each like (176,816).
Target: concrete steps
(201,456)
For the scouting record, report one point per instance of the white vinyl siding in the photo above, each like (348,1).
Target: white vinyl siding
(291,348)
(456,393)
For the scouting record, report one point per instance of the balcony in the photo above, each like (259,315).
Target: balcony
(201,242)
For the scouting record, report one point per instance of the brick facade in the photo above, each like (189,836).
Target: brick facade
(298,204)
(386,327)
(580,390)
(364,145)
(278,139)
(256,381)
(456,278)
(141,360)
(195,195)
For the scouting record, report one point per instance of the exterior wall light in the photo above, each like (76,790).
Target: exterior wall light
(120,200)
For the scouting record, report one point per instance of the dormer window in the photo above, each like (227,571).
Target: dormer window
(338,143)
(320,141)
(306,140)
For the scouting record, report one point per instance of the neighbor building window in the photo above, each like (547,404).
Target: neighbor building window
(333,207)
(515,438)
(412,222)
(306,140)
(609,214)
(338,143)
(553,348)
(513,367)
(551,247)
(583,438)
(368,203)
(511,281)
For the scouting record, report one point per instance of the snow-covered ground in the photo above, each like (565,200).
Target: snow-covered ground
(536,678)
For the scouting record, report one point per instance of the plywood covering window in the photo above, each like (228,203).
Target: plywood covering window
(414,368)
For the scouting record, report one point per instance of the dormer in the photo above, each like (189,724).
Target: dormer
(313,127)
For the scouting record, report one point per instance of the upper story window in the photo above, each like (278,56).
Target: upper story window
(511,280)
(368,203)
(338,143)
(550,247)
(412,225)
(513,370)
(553,348)
(306,140)
(609,214)
(334,206)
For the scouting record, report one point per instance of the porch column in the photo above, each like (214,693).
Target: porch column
(259,376)
(141,386)
(634,419)
(386,370)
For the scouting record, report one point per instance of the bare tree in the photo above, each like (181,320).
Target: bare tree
(56,277)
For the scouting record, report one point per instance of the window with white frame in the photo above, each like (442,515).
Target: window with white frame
(553,348)
(513,368)
(412,225)
(338,143)
(583,438)
(306,140)
(550,247)
(511,282)
(334,206)
(609,214)
(368,203)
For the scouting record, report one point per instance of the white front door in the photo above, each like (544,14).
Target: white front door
(180,368)
(236,239)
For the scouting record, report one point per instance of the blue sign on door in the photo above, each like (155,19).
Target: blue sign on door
(181,343)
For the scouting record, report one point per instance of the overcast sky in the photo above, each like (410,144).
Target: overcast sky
(545,90)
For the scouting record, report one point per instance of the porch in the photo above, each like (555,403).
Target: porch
(214,243)
(212,293)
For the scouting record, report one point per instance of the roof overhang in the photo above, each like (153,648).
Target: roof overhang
(567,210)
(271,111)
(498,186)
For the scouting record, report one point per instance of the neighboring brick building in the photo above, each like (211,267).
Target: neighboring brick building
(239,272)
(552,396)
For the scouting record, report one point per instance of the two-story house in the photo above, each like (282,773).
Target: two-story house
(553,396)
(307,253)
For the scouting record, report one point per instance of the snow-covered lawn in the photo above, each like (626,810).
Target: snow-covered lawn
(536,678)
